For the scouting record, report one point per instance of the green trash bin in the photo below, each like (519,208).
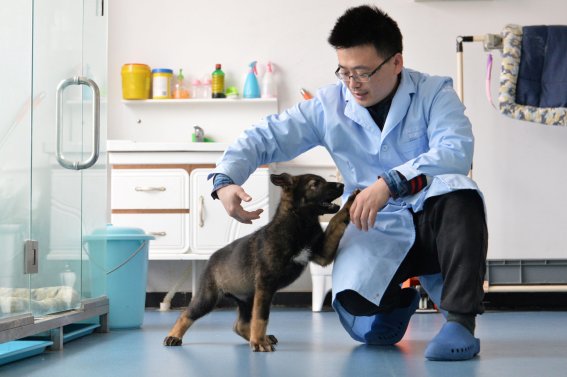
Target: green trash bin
(119,256)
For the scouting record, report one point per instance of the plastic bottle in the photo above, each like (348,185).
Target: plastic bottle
(207,91)
(218,83)
(180,90)
(251,87)
(161,83)
(68,277)
(269,88)
(197,89)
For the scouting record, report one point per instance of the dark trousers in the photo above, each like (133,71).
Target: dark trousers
(451,238)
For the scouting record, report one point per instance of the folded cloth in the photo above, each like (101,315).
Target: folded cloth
(454,342)
(542,75)
(382,329)
(517,106)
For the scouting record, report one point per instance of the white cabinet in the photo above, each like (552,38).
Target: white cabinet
(156,200)
(163,189)
(179,211)
(211,227)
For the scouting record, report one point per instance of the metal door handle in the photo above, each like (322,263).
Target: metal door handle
(91,160)
(100,8)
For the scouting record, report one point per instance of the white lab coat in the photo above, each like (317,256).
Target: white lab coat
(426,132)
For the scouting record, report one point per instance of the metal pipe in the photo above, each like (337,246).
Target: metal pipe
(460,70)
(460,74)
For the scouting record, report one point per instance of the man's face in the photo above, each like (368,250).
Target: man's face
(363,60)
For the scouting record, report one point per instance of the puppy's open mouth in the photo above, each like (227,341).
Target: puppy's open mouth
(329,207)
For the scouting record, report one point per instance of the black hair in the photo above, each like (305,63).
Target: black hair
(366,25)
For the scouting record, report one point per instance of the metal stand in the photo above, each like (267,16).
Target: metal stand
(24,325)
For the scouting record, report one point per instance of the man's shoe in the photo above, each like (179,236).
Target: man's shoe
(386,329)
(454,342)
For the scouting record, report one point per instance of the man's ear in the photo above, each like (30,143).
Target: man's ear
(399,62)
(282,180)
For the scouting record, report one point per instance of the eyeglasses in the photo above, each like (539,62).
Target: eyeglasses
(360,77)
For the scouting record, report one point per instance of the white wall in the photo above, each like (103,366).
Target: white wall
(518,165)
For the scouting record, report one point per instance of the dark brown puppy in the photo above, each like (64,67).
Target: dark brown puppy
(252,268)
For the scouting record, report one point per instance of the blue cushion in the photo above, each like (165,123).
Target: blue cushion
(542,76)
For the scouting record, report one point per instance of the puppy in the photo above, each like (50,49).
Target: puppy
(251,269)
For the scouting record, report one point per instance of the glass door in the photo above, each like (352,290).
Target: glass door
(16,105)
(68,160)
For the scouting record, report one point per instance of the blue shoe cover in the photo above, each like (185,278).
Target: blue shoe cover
(390,328)
(454,342)
(382,329)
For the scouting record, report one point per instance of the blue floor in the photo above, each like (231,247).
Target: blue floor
(310,344)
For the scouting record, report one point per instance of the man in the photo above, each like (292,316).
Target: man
(401,137)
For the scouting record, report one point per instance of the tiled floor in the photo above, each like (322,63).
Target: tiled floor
(514,344)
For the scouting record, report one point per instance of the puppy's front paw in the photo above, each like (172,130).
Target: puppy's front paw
(264,345)
(346,208)
(350,199)
(172,341)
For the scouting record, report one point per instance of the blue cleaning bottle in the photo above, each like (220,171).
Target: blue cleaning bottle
(251,87)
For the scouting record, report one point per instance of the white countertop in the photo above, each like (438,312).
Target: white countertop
(312,159)
(144,146)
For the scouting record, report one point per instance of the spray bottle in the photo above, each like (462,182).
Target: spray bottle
(251,87)
(269,88)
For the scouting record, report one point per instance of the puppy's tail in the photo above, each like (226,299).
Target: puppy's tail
(166,303)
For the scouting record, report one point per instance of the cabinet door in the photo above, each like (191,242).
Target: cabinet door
(212,228)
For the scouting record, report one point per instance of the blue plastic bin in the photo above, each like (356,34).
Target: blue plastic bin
(119,256)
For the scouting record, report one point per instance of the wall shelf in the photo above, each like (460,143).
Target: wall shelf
(199,101)
(172,120)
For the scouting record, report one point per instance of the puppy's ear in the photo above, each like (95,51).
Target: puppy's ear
(282,180)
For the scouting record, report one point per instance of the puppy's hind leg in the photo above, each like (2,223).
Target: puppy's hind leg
(175,336)
(202,303)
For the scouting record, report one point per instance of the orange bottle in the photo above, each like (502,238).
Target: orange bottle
(180,90)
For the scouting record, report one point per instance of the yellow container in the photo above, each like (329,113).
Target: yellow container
(136,81)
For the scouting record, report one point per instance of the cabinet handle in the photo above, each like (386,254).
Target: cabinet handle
(149,189)
(159,234)
(201,211)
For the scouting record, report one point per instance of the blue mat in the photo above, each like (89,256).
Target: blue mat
(20,349)
(70,332)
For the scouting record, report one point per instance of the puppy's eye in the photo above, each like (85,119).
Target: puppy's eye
(313,184)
